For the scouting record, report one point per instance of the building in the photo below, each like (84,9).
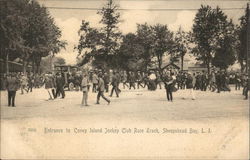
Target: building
(13,66)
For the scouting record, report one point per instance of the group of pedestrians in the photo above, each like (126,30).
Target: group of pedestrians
(98,86)
(26,82)
(215,81)
(99,82)
(54,85)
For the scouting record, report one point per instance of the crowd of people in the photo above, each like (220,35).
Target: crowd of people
(99,81)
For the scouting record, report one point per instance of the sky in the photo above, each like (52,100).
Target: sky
(69,20)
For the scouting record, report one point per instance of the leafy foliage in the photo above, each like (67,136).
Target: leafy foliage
(101,45)
(163,42)
(28,31)
(212,32)
(242,40)
(131,53)
(181,39)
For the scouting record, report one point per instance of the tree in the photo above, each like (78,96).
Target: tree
(131,53)
(225,52)
(27,32)
(181,39)
(163,44)
(209,31)
(90,43)
(145,39)
(107,39)
(41,35)
(12,24)
(242,43)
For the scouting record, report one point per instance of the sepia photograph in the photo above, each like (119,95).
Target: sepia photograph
(124,79)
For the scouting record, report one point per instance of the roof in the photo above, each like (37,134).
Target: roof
(66,66)
(168,65)
(172,65)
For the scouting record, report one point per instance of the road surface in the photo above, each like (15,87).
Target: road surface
(139,124)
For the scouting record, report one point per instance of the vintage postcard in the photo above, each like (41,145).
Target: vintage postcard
(124,79)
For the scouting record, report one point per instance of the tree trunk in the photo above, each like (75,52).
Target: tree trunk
(7,63)
(182,61)
(208,67)
(37,61)
(38,69)
(241,67)
(33,65)
(24,66)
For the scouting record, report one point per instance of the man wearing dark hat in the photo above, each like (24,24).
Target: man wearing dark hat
(12,86)
(60,82)
(158,79)
(94,81)
(101,88)
(30,82)
(124,79)
(106,81)
(114,83)
(139,80)
(203,81)
(131,78)
(49,85)
(218,78)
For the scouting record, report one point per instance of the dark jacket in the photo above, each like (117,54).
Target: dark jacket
(106,78)
(131,78)
(169,82)
(189,82)
(60,82)
(12,84)
(218,78)
(115,80)
(101,86)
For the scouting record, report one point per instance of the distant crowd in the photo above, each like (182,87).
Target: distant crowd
(99,81)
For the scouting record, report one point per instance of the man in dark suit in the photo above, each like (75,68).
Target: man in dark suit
(218,78)
(101,89)
(60,82)
(12,86)
(203,81)
(106,81)
(131,78)
(115,83)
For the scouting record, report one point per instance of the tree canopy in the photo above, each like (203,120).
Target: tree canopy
(101,45)
(212,32)
(214,40)
(28,32)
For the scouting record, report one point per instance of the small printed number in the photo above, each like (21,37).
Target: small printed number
(32,129)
